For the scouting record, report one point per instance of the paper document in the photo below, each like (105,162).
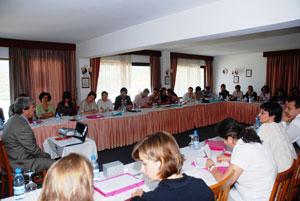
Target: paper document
(201,162)
(63,143)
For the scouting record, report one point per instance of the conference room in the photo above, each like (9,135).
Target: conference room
(72,61)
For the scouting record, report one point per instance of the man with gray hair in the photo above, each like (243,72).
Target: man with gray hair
(19,140)
(142,99)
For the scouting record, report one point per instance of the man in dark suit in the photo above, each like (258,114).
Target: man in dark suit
(19,140)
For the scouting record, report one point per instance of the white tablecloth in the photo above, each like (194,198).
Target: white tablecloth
(87,148)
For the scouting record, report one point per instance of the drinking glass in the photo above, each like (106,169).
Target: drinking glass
(31,186)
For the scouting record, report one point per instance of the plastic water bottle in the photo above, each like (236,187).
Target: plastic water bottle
(250,99)
(196,143)
(78,117)
(107,112)
(57,118)
(18,185)
(34,121)
(257,124)
(95,168)
(1,124)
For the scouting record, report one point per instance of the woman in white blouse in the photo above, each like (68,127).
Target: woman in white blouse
(274,136)
(265,94)
(104,103)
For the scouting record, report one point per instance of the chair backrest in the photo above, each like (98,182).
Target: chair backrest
(295,183)
(282,185)
(221,189)
(4,163)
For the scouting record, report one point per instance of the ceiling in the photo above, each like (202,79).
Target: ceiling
(74,21)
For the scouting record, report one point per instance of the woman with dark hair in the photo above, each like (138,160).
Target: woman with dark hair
(295,91)
(198,93)
(66,106)
(88,105)
(163,96)
(253,164)
(274,135)
(45,110)
(250,94)
(162,161)
(279,96)
(265,94)
(172,97)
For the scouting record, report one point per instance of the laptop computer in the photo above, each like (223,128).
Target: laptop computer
(80,131)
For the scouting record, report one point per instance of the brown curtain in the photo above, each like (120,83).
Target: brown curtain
(95,63)
(209,73)
(283,72)
(174,62)
(155,72)
(33,71)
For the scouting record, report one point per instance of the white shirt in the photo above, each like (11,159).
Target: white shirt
(275,138)
(104,105)
(238,94)
(265,97)
(187,97)
(259,172)
(293,129)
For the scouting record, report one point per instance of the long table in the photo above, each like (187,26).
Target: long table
(112,132)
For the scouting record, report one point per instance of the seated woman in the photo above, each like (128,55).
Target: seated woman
(198,94)
(163,96)
(88,105)
(295,91)
(66,106)
(104,103)
(250,93)
(274,136)
(172,97)
(265,94)
(70,178)
(279,96)
(162,161)
(253,164)
(45,110)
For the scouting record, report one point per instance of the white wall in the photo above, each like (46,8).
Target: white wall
(241,62)
(4,52)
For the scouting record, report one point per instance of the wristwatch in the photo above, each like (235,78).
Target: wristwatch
(211,167)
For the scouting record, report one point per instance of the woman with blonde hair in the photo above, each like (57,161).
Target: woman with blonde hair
(162,161)
(70,178)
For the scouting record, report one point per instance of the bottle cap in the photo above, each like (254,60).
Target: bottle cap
(195,132)
(93,157)
(18,170)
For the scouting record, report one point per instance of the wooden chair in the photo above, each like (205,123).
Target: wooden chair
(221,189)
(282,185)
(7,175)
(295,184)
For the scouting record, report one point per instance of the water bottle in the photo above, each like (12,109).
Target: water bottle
(78,117)
(95,168)
(1,124)
(250,99)
(137,109)
(257,124)
(18,185)
(34,121)
(107,111)
(196,143)
(57,118)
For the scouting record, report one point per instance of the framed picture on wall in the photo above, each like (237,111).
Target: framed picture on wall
(248,73)
(85,82)
(235,79)
(167,80)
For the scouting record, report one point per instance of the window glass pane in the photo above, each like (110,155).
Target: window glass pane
(4,87)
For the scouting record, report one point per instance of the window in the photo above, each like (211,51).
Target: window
(189,74)
(118,72)
(4,86)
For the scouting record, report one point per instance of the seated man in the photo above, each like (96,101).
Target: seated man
(123,99)
(19,140)
(154,97)
(142,99)
(207,94)
(188,96)
(237,94)
(291,119)
(223,93)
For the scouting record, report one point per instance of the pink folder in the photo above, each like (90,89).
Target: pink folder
(94,116)
(216,145)
(137,183)
(221,169)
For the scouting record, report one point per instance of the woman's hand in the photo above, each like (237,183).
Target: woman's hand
(223,158)
(209,163)
(138,192)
